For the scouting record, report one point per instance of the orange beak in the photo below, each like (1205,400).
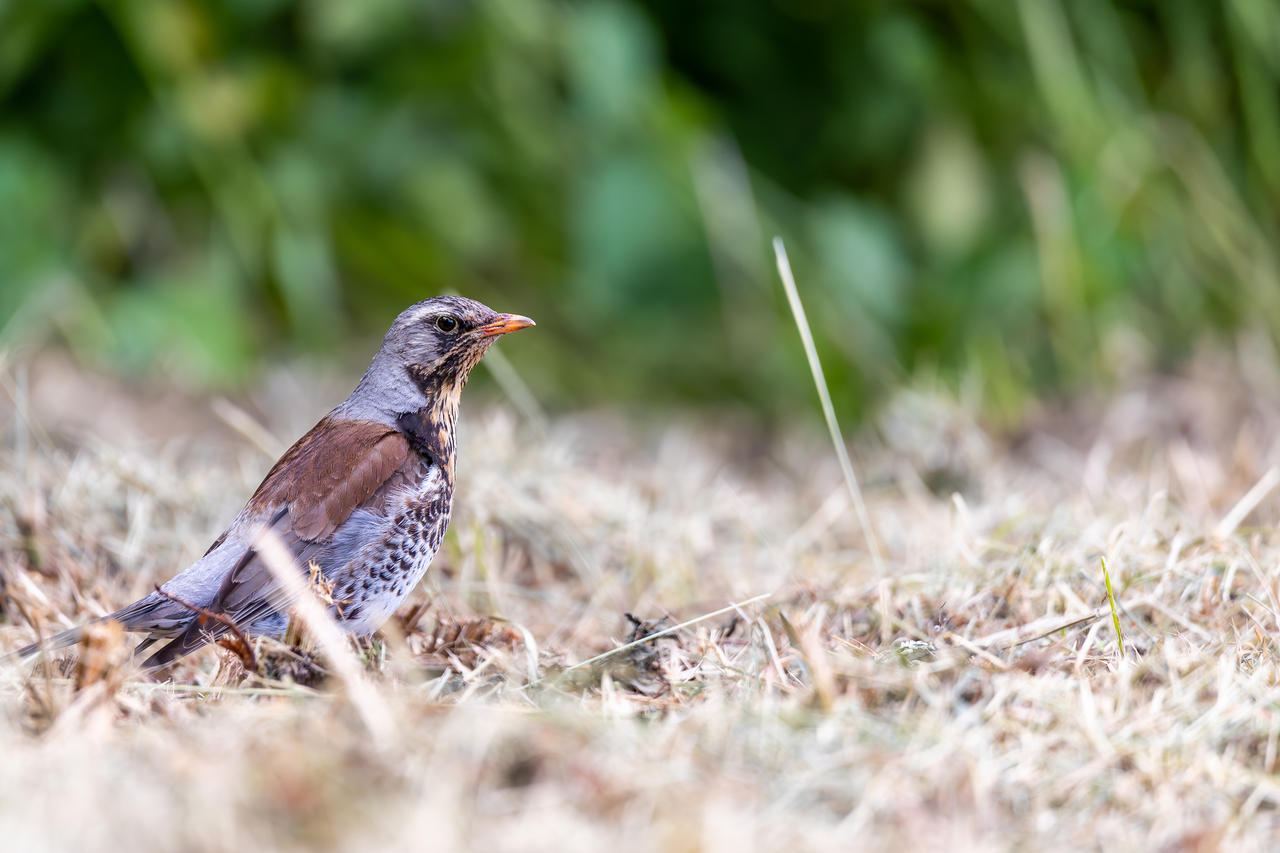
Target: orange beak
(504,324)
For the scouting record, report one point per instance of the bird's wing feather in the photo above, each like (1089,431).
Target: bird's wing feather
(335,469)
(329,473)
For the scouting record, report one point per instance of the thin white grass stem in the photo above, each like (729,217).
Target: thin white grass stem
(828,410)
(333,642)
(631,645)
(1247,504)
(976,649)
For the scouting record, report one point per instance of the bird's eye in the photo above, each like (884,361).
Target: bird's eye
(446,323)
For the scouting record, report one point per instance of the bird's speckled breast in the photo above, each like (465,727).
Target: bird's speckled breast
(373,586)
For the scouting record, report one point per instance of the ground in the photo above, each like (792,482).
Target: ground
(965,690)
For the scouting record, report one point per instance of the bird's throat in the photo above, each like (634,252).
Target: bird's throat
(430,436)
(430,428)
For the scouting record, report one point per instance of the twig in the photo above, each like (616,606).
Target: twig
(761,597)
(1009,638)
(205,615)
(828,410)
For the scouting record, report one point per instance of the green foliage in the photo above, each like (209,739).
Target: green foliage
(1023,195)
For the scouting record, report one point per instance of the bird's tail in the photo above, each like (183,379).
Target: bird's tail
(153,614)
(61,640)
(70,637)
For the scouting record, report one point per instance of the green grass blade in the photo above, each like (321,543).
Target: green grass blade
(1111,598)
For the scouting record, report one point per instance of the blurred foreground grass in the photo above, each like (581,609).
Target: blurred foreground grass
(973,693)
(1017,197)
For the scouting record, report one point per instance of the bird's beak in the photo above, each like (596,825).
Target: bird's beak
(505,323)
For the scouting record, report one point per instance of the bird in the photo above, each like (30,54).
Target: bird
(364,497)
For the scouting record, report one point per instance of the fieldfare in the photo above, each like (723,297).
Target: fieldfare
(364,497)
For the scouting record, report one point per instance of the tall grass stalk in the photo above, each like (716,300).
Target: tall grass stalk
(824,394)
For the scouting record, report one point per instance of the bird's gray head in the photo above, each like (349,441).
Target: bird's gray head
(427,356)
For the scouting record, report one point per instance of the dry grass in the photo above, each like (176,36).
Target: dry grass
(973,697)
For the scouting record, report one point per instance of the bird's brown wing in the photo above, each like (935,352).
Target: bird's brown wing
(333,470)
(330,472)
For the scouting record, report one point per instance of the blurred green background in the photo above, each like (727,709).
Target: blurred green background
(1019,197)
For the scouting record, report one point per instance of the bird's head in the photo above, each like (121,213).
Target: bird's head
(448,334)
(430,350)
